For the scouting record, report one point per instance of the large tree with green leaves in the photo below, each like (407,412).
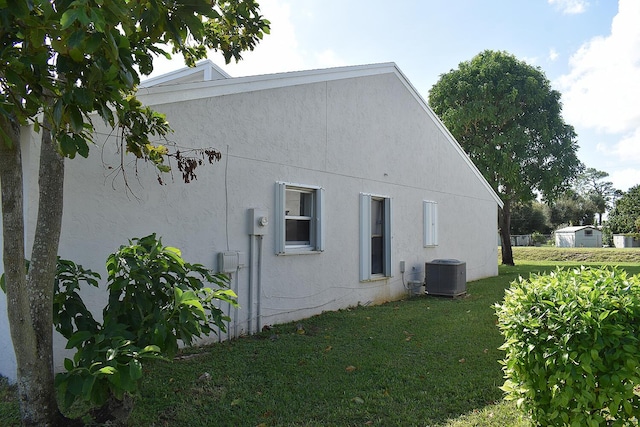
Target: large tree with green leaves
(506,116)
(60,62)
(625,215)
(592,185)
(530,217)
(571,208)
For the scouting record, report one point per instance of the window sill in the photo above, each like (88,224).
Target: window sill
(376,279)
(300,252)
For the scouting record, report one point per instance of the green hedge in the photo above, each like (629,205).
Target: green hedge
(572,348)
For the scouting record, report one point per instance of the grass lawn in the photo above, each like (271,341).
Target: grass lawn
(415,362)
(421,362)
(425,361)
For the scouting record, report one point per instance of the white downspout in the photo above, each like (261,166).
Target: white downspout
(250,293)
(259,285)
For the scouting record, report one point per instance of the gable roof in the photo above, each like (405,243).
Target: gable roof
(575,228)
(203,71)
(183,85)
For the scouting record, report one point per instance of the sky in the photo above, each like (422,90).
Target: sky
(588,49)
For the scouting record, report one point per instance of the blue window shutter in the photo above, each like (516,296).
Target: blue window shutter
(365,237)
(430,223)
(279,222)
(319,228)
(387,237)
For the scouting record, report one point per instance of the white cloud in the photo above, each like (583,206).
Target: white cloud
(570,7)
(628,149)
(602,88)
(276,52)
(625,178)
(553,54)
(328,58)
(280,50)
(600,94)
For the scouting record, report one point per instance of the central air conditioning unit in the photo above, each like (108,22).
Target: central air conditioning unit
(446,277)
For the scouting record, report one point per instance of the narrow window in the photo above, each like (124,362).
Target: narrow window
(375,237)
(299,218)
(430,210)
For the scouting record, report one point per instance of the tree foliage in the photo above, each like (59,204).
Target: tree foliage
(507,118)
(63,63)
(530,217)
(625,216)
(66,59)
(591,185)
(572,208)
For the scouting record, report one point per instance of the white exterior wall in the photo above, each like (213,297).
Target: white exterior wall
(623,241)
(593,241)
(565,240)
(579,239)
(351,136)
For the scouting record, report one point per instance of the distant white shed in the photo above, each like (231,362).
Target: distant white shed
(584,236)
(625,241)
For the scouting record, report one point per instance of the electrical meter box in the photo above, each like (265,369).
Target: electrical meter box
(258,221)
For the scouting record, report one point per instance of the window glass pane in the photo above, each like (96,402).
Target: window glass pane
(298,203)
(298,231)
(377,217)
(377,236)
(377,255)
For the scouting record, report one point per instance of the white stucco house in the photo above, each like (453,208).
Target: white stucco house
(583,236)
(330,180)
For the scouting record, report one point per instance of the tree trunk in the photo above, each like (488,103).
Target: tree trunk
(505,233)
(29,299)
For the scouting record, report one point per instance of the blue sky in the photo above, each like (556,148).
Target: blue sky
(589,49)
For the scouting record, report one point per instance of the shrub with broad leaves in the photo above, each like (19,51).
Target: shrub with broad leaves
(156,301)
(572,346)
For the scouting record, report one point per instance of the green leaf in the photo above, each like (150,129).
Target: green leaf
(87,387)
(108,370)
(67,145)
(81,146)
(75,384)
(135,369)
(75,117)
(69,17)
(150,349)
(57,112)
(78,338)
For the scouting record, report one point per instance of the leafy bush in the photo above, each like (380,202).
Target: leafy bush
(539,238)
(572,349)
(156,300)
